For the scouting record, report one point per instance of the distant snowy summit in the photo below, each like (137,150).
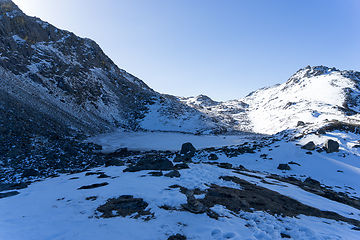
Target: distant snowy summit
(313,95)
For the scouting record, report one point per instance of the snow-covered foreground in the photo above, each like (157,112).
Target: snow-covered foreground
(162,141)
(55,208)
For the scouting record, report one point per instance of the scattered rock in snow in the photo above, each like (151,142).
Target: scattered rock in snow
(156,173)
(121,152)
(173,173)
(123,206)
(193,205)
(320,131)
(180,166)
(284,235)
(213,157)
(225,165)
(95,185)
(231,152)
(300,124)
(93,173)
(283,166)
(103,175)
(151,162)
(312,182)
(91,198)
(188,149)
(182,158)
(331,146)
(114,162)
(177,237)
(309,146)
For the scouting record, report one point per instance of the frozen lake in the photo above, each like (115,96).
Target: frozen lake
(146,141)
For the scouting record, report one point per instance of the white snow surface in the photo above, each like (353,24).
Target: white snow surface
(147,141)
(54,208)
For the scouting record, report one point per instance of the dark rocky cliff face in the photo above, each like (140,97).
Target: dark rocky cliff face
(54,88)
(70,69)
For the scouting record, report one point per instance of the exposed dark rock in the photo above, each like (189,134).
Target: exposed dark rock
(151,163)
(30,173)
(92,198)
(331,146)
(225,165)
(182,158)
(309,146)
(177,237)
(284,235)
(8,194)
(193,205)
(121,152)
(173,173)
(114,162)
(341,126)
(283,166)
(231,152)
(12,186)
(321,131)
(255,198)
(103,175)
(314,186)
(312,182)
(300,124)
(213,157)
(156,174)
(123,206)
(246,149)
(180,166)
(93,173)
(188,149)
(294,163)
(95,185)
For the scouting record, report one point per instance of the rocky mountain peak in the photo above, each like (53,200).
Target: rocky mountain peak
(309,71)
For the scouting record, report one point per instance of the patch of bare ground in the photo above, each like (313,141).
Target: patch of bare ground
(125,205)
(314,186)
(255,198)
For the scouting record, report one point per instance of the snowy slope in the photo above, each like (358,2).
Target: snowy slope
(57,209)
(313,95)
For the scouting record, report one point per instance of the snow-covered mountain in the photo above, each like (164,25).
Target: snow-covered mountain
(69,78)
(314,96)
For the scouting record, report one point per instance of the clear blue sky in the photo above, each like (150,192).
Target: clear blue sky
(222,48)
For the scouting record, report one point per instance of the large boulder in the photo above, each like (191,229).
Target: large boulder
(188,149)
(331,146)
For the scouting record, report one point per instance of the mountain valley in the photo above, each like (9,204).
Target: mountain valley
(89,151)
